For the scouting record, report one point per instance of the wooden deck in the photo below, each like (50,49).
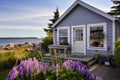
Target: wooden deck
(81,58)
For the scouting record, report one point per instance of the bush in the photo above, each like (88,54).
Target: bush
(99,58)
(47,41)
(117,55)
(33,70)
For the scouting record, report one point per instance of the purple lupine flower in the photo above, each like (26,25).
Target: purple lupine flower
(57,69)
(31,66)
(13,74)
(67,64)
(52,67)
(80,68)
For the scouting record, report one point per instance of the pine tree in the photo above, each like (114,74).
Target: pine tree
(115,9)
(56,17)
(48,40)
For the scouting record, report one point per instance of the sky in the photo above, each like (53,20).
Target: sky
(27,18)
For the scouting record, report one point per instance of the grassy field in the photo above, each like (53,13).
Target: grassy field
(3,74)
(10,58)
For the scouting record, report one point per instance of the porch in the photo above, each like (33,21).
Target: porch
(64,52)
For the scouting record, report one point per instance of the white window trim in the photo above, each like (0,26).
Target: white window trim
(60,28)
(84,38)
(88,35)
(113,34)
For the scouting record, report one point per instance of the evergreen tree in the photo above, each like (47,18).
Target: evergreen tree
(49,38)
(115,9)
(56,17)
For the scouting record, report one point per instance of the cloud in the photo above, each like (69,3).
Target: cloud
(25,27)
(13,13)
(23,16)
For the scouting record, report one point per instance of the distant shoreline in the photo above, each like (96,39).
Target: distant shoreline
(19,38)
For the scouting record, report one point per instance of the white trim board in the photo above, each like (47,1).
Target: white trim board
(113,32)
(86,6)
(84,38)
(60,28)
(88,35)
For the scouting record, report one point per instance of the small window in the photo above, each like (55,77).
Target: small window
(63,36)
(78,34)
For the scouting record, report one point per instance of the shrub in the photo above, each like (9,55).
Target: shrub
(99,58)
(33,70)
(117,51)
(117,55)
(117,43)
(47,41)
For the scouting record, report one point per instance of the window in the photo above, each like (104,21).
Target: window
(63,36)
(78,34)
(96,36)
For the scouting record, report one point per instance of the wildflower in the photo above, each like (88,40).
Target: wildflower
(12,74)
(57,69)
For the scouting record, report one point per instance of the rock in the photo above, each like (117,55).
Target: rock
(9,46)
(107,63)
(28,44)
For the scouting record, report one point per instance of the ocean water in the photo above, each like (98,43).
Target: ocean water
(6,41)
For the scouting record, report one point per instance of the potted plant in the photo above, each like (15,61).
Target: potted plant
(112,61)
(99,58)
(101,35)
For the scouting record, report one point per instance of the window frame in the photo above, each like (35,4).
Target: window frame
(88,36)
(68,32)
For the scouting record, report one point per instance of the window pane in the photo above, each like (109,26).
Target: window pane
(63,40)
(79,35)
(63,32)
(96,36)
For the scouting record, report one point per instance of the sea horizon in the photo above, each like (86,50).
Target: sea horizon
(18,40)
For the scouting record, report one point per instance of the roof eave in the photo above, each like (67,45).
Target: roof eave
(86,6)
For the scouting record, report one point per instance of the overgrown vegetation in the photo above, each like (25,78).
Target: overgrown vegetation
(117,52)
(48,41)
(32,69)
(49,38)
(10,58)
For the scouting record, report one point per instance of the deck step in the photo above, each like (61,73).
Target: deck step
(92,62)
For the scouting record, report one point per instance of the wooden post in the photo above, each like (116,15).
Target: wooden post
(50,50)
(65,53)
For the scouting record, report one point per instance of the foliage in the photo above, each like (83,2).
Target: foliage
(47,41)
(3,74)
(33,70)
(98,36)
(56,17)
(115,9)
(117,51)
(10,58)
(98,56)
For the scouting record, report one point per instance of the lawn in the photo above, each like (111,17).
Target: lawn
(3,74)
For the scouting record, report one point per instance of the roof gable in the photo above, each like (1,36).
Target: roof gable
(79,2)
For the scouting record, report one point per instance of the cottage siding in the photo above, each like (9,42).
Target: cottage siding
(82,16)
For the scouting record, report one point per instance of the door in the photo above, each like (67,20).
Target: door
(78,40)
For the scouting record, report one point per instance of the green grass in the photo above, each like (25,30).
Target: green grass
(3,74)
(10,58)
